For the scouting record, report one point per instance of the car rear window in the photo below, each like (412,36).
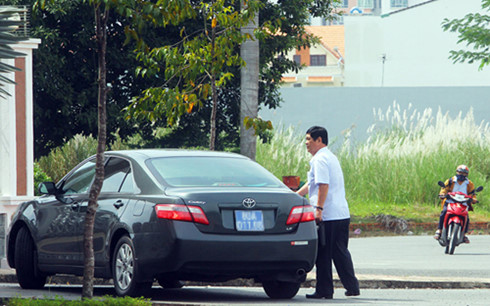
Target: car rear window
(211,172)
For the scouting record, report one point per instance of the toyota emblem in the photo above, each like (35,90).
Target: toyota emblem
(248,202)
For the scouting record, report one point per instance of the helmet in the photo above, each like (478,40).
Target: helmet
(463,169)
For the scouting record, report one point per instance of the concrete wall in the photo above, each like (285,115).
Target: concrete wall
(341,108)
(409,48)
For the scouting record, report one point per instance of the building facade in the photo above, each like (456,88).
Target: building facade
(16,139)
(408,47)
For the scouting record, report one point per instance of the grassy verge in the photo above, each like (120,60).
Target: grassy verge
(58,300)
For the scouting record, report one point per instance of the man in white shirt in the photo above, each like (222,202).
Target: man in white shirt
(327,194)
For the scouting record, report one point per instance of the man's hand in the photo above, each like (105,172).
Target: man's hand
(318,216)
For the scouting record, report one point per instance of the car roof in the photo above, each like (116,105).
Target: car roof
(155,153)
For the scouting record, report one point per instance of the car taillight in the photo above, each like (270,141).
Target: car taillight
(181,213)
(301,214)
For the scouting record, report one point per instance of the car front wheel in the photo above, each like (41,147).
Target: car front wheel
(124,270)
(280,290)
(28,275)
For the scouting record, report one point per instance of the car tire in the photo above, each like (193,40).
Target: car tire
(28,274)
(124,270)
(280,290)
(170,283)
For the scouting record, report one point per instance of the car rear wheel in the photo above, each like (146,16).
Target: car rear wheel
(124,270)
(280,290)
(28,274)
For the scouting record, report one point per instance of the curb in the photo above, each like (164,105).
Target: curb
(309,283)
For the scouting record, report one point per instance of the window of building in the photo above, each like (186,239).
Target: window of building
(342,4)
(318,60)
(297,59)
(399,3)
(369,4)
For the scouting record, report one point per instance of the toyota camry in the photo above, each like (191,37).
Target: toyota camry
(168,216)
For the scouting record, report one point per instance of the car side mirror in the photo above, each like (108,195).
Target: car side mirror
(47,188)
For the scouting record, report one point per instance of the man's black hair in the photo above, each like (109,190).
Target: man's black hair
(318,131)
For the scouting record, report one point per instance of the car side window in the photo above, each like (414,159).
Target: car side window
(81,179)
(128,184)
(116,172)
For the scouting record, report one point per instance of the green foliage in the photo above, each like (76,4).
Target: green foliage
(474,31)
(259,125)
(65,90)
(62,159)
(60,301)
(7,38)
(184,67)
(195,67)
(65,74)
(39,177)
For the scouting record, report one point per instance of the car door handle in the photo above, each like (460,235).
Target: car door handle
(118,204)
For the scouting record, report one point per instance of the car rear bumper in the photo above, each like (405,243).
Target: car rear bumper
(191,255)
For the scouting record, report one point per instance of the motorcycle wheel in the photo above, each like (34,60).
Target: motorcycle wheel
(447,232)
(455,236)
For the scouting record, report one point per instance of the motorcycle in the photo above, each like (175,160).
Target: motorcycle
(458,205)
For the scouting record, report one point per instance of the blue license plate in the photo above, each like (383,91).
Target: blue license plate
(249,220)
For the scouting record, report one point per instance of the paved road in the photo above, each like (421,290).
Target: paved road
(420,258)
(256,296)
(403,262)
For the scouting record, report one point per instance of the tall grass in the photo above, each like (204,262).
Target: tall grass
(402,162)
(404,156)
(285,154)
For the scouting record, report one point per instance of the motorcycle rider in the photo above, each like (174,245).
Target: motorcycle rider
(459,182)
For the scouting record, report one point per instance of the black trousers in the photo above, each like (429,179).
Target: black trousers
(333,239)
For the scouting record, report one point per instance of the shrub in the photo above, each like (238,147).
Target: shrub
(62,159)
(39,177)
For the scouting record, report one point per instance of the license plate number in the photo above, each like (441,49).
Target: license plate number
(249,220)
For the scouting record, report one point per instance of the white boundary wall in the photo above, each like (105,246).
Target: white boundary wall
(415,47)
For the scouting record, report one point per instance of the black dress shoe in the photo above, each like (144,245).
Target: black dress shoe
(352,293)
(317,295)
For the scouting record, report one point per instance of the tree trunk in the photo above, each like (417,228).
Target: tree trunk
(249,100)
(214,92)
(88,234)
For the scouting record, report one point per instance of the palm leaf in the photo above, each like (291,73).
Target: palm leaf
(8,23)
